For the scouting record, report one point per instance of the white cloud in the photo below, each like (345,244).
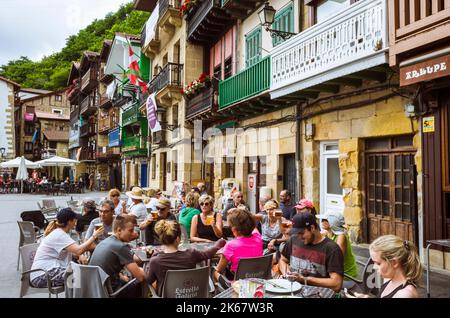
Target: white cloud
(40,27)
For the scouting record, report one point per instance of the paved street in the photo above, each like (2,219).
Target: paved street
(10,208)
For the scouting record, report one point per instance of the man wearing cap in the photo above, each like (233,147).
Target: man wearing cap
(137,208)
(304,206)
(163,207)
(285,204)
(311,257)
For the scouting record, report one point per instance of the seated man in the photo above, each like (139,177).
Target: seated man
(311,257)
(105,219)
(163,206)
(113,254)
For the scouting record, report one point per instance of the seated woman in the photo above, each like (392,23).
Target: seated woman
(89,213)
(398,262)
(272,235)
(120,206)
(56,249)
(189,211)
(206,226)
(169,233)
(247,242)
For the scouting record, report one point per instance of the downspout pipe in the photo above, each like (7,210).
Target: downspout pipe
(298,149)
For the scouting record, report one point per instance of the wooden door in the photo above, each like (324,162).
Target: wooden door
(163,171)
(391,191)
(290,176)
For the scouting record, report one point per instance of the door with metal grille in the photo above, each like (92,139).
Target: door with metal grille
(290,176)
(391,192)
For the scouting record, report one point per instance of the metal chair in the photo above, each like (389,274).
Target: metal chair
(49,209)
(251,267)
(87,281)
(180,283)
(27,235)
(28,252)
(370,281)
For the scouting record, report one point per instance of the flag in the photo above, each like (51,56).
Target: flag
(33,140)
(134,72)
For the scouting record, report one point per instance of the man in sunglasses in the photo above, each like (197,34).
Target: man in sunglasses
(163,208)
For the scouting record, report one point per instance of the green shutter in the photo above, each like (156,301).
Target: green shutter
(144,65)
(284,21)
(253,43)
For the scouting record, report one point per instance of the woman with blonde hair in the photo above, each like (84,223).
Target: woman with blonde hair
(120,206)
(272,235)
(206,226)
(169,233)
(398,261)
(56,249)
(189,211)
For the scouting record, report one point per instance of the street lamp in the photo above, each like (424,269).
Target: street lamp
(2,152)
(267,17)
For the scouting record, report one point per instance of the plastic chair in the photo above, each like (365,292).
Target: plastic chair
(251,267)
(27,235)
(28,252)
(180,283)
(87,281)
(370,281)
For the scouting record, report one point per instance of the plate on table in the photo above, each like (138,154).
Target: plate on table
(281,286)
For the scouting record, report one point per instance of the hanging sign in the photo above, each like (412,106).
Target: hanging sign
(151,114)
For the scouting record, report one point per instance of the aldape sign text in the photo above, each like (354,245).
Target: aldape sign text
(425,71)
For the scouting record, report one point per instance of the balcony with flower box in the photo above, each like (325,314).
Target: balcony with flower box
(206,21)
(167,84)
(89,80)
(169,15)
(347,48)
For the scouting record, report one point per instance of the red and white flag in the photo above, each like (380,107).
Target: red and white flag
(134,72)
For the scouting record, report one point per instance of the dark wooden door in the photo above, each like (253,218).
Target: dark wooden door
(290,176)
(163,171)
(391,194)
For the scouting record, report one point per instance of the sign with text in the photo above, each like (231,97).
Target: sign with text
(151,114)
(425,71)
(428,124)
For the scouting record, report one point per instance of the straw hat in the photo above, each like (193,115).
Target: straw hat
(163,203)
(136,193)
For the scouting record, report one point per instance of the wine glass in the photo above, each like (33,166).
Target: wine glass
(292,278)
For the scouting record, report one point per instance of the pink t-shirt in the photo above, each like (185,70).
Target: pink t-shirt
(240,247)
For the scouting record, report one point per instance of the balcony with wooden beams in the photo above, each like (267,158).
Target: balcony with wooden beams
(168,84)
(74,114)
(87,154)
(169,15)
(89,81)
(102,153)
(87,130)
(204,105)
(240,9)
(88,106)
(104,124)
(347,48)
(417,25)
(208,22)
(104,102)
(144,5)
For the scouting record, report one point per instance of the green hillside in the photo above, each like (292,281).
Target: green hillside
(52,71)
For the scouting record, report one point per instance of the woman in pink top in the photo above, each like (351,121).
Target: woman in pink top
(247,242)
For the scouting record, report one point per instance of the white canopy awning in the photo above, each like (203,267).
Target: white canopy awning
(15,163)
(57,161)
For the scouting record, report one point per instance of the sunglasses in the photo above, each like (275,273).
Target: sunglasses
(204,204)
(114,195)
(161,209)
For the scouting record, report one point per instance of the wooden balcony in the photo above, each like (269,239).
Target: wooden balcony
(168,84)
(88,106)
(203,106)
(114,152)
(144,5)
(169,15)
(105,102)
(134,146)
(87,154)
(74,115)
(102,153)
(89,80)
(417,25)
(104,125)
(349,47)
(87,130)
(239,9)
(208,22)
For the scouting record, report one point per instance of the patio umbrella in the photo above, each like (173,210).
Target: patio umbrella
(57,161)
(22,173)
(15,163)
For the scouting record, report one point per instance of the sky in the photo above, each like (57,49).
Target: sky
(36,28)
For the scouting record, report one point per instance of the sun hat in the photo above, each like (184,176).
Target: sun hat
(163,203)
(304,203)
(336,221)
(136,193)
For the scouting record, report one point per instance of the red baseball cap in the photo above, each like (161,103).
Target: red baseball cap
(304,203)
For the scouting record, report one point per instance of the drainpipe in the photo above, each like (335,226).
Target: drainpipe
(298,148)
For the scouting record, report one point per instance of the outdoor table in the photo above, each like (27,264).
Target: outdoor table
(444,243)
(304,292)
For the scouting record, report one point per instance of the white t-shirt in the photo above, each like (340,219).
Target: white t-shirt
(152,204)
(140,211)
(119,208)
(51,252)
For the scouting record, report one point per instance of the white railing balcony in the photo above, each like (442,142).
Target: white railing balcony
(353,40)
(48,153)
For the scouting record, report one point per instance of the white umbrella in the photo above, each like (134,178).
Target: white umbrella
(22,173)
(15,163)
(57,161)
